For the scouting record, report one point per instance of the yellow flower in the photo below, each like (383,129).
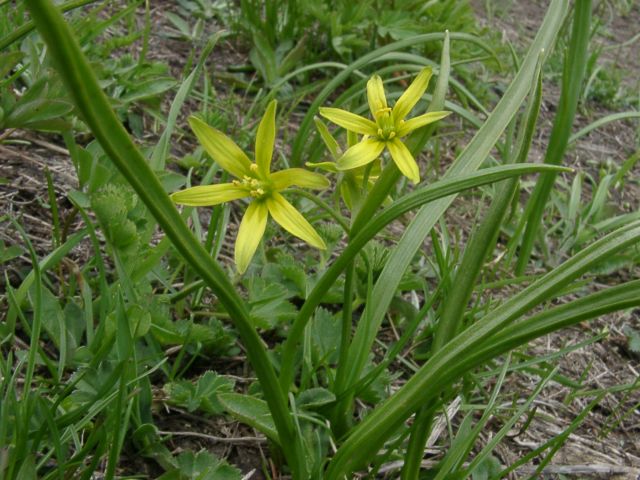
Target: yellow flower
(387,129)
(256,181)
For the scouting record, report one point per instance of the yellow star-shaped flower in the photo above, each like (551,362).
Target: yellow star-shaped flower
(253,180)
(388,127)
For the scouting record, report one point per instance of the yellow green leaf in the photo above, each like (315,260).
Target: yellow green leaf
(350,121)
(292,220)
(299,177)
(250,233)
(404,160)
(412,94)
(326,166)
(205,195)
(361,153)
(420,121)
(327,138)
(222,149)
(265,138)
(375,95)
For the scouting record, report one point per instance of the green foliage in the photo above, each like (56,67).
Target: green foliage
(200,395)
(201,466)
(394,320)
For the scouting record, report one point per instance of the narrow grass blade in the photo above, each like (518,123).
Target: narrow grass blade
(458,356)
(575,67)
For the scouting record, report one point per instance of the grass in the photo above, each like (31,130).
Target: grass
(133,348)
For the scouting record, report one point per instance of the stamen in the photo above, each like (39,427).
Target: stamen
(253,167)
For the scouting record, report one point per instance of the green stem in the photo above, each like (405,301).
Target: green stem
(94,106)
(375,198)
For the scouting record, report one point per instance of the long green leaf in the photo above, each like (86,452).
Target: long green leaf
(429,193)
(481,243)
(469,160)
(575,67)
(83,87)
(457,356)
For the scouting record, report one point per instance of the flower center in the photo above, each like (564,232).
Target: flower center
(386,127)
(257,188)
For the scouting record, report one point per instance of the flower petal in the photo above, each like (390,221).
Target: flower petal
(250,233)
(350,121)
(299,177)
(222,149)
(412,94)
(404,160)
(361,153)
(420,121)
(375,95)
(265,138)
(205,195)
(292,220)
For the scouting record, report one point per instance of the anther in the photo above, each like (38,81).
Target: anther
(253,167)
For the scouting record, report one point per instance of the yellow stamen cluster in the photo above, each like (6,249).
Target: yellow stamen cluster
(257,188)
(386,127)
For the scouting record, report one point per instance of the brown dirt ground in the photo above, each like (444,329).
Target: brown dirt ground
(603,364)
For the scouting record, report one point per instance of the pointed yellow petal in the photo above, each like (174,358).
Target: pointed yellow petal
(410,125)
(404,160)
(299,177)
(250,233)
(205,195)
(221,148)
(360,154)
(375,95)
(412,95)
(265,138)
(350,121)
(292,220)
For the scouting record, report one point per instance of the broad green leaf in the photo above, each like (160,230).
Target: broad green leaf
(200,395)
(315,398)
(251,411)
